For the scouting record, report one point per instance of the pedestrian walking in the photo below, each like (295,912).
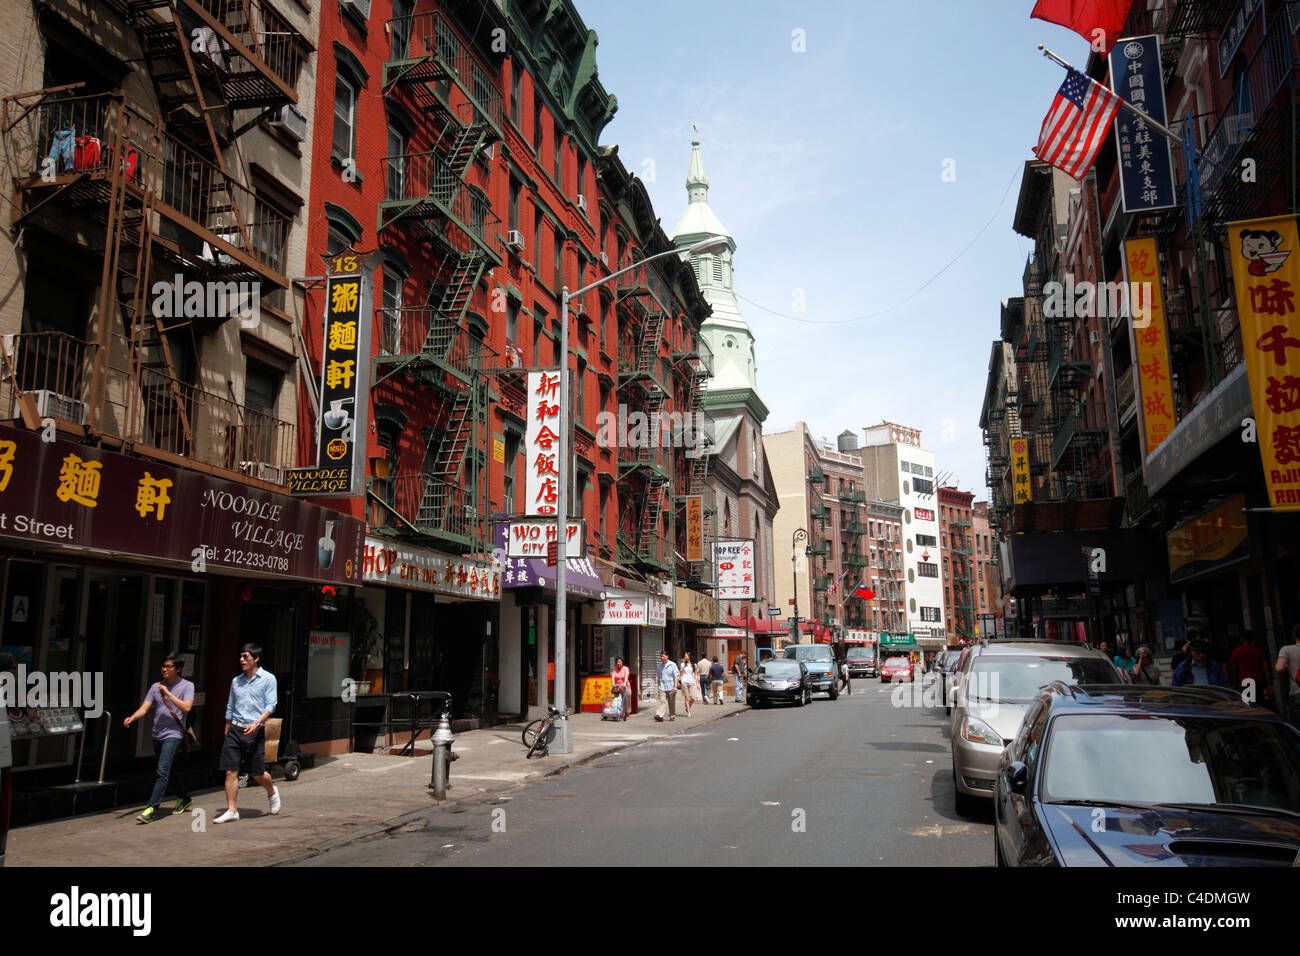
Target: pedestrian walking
(1288,662)
(740,667)
(1123,661)
(667,689)
(1144,669)
(1248,668)
(1199,669)
(845,684)
(704,672)
(622,679)
(718,676)
(253,698)
(686,679)
(170,699)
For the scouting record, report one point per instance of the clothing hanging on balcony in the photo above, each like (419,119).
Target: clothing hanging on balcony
(87,152)
(63,149)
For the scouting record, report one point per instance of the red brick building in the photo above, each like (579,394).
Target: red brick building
(955,543)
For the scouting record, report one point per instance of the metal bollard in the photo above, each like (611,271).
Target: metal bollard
(442,758)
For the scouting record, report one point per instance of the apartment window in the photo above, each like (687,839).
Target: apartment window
(537,240)
(514,204)
(537,125)
(580,391)
(559,258)
(604,506)
(396,163)
(345,115)
(582,273)
(582,175)
(578,508)
(559,158)
(604,315)
(512,322)
(512,453)
(401,36)
(391,337)
(516,92)
(269,236)
(262,399)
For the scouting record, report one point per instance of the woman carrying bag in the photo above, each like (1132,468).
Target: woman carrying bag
(686,681)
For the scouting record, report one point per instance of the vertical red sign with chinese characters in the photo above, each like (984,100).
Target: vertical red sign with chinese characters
(1266,273)
(542,441)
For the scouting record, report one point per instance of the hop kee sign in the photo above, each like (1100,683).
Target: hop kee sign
(735,561)
(345,372)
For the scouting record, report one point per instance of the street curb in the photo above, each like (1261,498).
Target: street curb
(401,821)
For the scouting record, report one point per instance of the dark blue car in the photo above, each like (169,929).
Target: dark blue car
(1127,775)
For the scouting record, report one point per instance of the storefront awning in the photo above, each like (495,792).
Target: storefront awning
(580,577)
(397,564)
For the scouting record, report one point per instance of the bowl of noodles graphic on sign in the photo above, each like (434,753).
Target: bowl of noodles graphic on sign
(1261,247)
(336,448)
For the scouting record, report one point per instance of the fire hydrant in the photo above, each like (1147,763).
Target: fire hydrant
(442,758)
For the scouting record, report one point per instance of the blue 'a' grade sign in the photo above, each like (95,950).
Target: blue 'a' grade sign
(1145,159)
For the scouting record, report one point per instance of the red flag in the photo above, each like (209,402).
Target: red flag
(1085,17)
(865,592)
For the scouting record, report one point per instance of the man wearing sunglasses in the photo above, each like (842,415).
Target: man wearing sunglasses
(252,701)
(170,699)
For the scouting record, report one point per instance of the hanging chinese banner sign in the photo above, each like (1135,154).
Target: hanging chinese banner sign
(1266,274)
(345,372)
(542,441)
(1150,342)
(1020,469)
(694,528)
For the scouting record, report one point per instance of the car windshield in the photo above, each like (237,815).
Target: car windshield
(896,662)
(860,654)
(1017,679)
(809,652)
(779,669)
(1151,758)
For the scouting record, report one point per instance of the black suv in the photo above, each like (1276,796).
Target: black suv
(1131,775)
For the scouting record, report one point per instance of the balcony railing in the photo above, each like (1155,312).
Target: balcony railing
(405,334)
(423,186)
(428,38)
(644,278)
(854,497)
(72,381)
(857,561)
(1076,425)
(270,52)
(430,506)
(853,527)
(1124,390)
(225,227)
(816,476)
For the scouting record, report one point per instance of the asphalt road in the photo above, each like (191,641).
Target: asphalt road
(857,781)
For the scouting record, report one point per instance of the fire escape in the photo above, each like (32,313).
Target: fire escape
(436,194)
(645,471)
(693,368)
(158,198)
(1038,414)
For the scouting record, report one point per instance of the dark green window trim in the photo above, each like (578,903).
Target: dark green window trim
(347,60)
(348,224)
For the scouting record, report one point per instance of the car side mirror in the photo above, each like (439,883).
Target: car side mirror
(1018,777)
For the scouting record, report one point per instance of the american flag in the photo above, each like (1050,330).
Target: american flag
(830,591)
(1076,124)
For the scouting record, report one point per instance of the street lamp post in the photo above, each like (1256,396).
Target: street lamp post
(799,535)
(563,743)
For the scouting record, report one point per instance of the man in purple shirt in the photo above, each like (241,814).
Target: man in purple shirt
(171,700)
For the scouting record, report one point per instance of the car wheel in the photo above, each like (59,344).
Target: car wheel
(807,696)
(798,700)
(833,693)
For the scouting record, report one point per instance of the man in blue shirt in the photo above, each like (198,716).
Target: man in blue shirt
(1199,669)
(668,675)
(171,700)
(252,701)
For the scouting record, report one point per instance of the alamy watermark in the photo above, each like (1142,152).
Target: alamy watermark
(21,688)
(1086,300)
(626,429)
(193,299)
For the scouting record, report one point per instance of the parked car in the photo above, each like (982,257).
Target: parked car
(779,681)
(947,674)
(896,668)
(820,661)
(1000,682)
(1127,775)
(861,660)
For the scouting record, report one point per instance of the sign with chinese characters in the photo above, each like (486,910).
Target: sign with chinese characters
(399,565)
(691,605)
(1266,274)
(628,608)
(1209,542)
(1146,164)
(735,564)
(694,528)
(1020,470)
(64,495)
(345,384)
(542,443)
(1234,31)
(1150,345)
(529,538)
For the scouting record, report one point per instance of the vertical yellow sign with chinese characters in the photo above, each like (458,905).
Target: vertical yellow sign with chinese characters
(1266,274)
(1154,392)
(694,528)
(1020,470)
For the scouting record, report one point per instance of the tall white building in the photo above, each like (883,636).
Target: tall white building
(897,468)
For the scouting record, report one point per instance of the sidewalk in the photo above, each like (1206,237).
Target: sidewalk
(342,799)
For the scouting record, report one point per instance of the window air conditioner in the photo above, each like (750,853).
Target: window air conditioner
(362,7)
(292,122)
(604,259)
(262,471)
(53,405)
(582,202)
(515,240)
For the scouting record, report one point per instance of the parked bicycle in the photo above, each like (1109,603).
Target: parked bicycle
(539,734)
